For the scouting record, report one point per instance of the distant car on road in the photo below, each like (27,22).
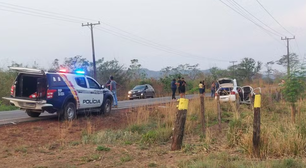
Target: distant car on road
(141,91)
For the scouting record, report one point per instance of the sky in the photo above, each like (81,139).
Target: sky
(159,33)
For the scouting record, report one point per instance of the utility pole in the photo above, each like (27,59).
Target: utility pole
(288,60)
(233,67)
(91,25)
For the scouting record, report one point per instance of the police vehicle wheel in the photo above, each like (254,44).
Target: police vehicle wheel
(32,114)
(70,111)
(107,107)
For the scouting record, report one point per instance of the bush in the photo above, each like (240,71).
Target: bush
(102,148)
(157,136)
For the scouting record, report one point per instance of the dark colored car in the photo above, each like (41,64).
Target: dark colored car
(141,91)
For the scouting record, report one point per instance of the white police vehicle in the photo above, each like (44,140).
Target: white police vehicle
(61,92)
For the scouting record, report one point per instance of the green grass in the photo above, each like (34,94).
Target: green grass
(7,107)
(218,160)
(102,148)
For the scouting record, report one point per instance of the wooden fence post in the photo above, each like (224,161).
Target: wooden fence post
(237,101)
(256,126)
(203,114)
(219,112)
(179,125)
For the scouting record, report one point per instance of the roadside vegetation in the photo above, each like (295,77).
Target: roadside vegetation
(141,137)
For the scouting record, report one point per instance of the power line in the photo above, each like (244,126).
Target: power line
(274,18)
(264,29)
(272,30)
(126,35)
(39,15)
(123,36)
(8,5)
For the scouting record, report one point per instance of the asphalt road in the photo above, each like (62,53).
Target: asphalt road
(17,116)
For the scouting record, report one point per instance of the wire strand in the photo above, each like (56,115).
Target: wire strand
(274,18)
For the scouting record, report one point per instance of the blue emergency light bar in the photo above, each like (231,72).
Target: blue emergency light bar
(80,72)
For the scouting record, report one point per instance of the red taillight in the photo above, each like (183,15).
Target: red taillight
(233,93)
(50,94)
(12,90)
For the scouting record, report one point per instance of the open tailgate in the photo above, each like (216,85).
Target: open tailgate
(28,70)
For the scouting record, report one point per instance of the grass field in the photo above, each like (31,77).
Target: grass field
(141,137)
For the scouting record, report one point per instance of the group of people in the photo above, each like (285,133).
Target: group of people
(213,87)
(179,85)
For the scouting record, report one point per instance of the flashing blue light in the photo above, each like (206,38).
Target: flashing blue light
(80,72)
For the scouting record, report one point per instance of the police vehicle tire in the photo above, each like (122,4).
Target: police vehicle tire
(32,114)
(107,107)
(70,112)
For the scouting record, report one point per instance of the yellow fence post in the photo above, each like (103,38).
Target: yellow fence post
(179,125)
(256,126)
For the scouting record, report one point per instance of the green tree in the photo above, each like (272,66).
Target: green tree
(269,70)
(135,71)
(293,61)
(247,69)
(294,89)
(76,62)
(219,73)
(111,68)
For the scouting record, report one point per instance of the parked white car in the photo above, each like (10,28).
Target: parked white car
(227,89)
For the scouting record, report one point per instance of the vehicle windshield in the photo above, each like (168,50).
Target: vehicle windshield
(139,87)
(225,81)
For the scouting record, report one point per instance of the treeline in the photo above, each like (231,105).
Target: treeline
(247,70)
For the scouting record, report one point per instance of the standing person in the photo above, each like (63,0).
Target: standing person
(217,85)
(204,86)
(113,87)
(201,87)
(179,81)
(173,88)
(108,83)
(212,89)
(183,88)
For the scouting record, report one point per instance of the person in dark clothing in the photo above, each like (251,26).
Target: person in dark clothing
(212,89)
(217,85)
(182,88)
(173,88)
(108,82)
(179,81)
(204,84)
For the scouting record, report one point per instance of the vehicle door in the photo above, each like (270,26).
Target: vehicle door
(151,90)
(148,91)
(247,90)
(83,92)
(96,93)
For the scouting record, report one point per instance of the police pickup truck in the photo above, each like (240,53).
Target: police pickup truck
(61,92)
